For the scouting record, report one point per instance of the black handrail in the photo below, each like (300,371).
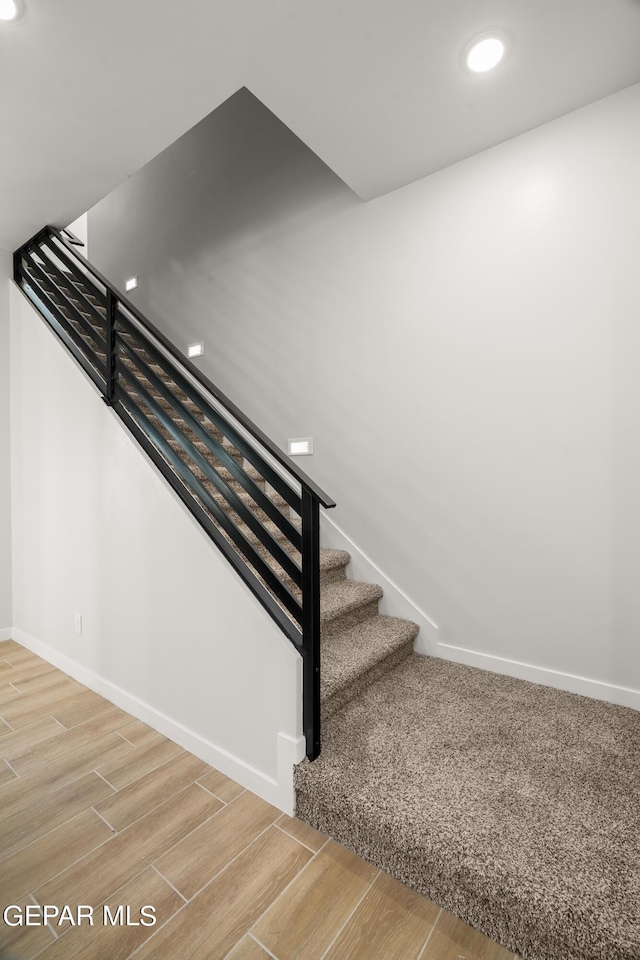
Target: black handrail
(141,375)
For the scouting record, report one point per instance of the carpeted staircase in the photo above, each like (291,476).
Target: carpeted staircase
(515,806)
(358,643)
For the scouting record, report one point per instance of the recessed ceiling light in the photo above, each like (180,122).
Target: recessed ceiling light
(485,53)
(10,9)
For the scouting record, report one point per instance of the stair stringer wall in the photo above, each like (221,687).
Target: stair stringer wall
(170,632)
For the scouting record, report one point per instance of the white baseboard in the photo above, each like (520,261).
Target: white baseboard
(596,689)
(289,750)
(6,633)
(394,603)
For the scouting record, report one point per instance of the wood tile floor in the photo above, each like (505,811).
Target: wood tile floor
(99,810)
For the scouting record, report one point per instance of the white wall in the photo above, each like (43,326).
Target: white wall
(5,472)
(465,353)
(234,183)
(169,630)
(79,228)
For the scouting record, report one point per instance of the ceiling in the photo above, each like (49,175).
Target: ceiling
(90,91)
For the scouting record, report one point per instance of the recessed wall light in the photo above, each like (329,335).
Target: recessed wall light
(485,52)
(10,10)
(195,350)
(300,447)
(131,283)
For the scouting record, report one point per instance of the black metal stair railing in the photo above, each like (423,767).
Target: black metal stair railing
(258,507)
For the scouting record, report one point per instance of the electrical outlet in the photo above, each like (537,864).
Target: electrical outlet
(77,620)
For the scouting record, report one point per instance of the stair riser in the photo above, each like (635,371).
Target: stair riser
(340,698)
(333,575)
(347,620)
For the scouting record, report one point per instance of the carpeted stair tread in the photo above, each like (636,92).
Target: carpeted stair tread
(252,537)
(225,475)
(177,418)
(96,346)
(269,526)
(333,561)
(356,657)
(278,502)
(346,596)
(275,532)
(515,806)
(83,288)
(201,447)
(266,556)
(81,304)
(83,332)
(79,326)
(64,307)
(74,288)
(250,471)
(206,452)
(221,470)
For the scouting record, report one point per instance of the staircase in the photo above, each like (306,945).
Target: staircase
(483,792)
(247,506)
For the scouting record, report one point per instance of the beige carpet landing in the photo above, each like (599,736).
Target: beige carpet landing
(515,806)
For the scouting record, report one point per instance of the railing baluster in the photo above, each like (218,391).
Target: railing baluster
(311,622)
(111,348)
